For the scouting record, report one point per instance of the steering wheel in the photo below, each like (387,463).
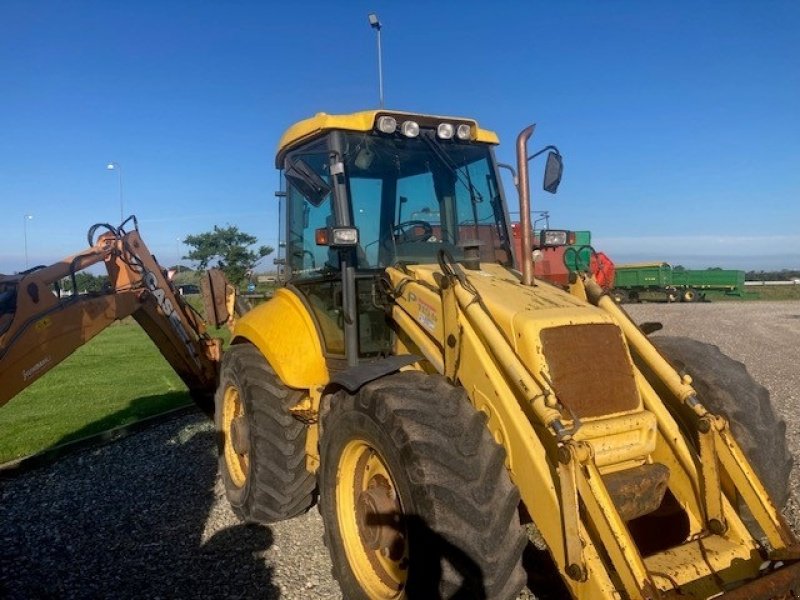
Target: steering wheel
(404,232)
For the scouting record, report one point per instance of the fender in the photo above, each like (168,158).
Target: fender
(285,334)
(355,377)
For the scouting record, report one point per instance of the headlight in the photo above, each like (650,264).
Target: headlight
(410,128)
(445,131)
(387,124)
(344,236)
(464,132)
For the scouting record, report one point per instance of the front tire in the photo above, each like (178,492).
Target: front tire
(725,387)
(415,496)
(261,445)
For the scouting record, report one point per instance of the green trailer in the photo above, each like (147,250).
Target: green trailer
(631,281)
(709,279)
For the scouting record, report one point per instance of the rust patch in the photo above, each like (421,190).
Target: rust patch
(783,584)
(637,491)
(212,286)
(590,369)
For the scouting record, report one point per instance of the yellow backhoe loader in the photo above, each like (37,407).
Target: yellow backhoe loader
(442,407)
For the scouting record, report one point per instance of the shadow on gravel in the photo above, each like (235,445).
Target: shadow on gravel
(461,577)
(128,520)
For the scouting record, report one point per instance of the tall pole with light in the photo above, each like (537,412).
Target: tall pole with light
(25,219)
(376,25)
(113,166)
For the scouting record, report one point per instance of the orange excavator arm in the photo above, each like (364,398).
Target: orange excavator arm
(39,328)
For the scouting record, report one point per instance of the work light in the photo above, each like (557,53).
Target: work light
(553,237)
(445,131)
(387,124)
(410,128)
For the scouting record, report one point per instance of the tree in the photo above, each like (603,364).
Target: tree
(85,282)
(226,248)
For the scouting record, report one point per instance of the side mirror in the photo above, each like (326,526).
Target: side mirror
(552,172)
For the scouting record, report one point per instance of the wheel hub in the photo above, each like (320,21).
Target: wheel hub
(240,435)
(378,516)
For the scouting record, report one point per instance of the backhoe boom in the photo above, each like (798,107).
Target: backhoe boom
(39,328)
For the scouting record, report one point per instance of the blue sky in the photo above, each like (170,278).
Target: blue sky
(679,122)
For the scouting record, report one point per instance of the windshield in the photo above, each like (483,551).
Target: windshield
(409,198)
(412,197)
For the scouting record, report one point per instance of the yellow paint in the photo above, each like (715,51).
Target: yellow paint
(307,129)
(361,468)
(702,565)
(284,333)
(621,441)
(312,448)
(238,465)
(43,324)
(503,368)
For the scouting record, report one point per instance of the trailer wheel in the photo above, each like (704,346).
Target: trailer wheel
(724,386)
(672,296)
(619,296)
(261,445)
(689,295)
(415,497)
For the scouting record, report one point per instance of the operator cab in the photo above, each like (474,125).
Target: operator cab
(377,189)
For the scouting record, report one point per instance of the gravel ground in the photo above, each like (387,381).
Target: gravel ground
(146,517)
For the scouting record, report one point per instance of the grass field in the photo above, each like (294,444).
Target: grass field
(120,377)
(117,378)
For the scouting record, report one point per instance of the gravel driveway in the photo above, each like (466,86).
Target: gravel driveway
(145,517)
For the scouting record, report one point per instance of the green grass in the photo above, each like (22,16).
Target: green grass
(117,378)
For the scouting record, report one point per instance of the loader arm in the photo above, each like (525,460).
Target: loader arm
(597,450)
(39,328)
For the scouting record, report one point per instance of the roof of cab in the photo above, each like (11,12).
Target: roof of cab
(360,121)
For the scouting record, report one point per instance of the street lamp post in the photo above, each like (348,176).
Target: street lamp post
(114,166)
(25,219)
(376,25)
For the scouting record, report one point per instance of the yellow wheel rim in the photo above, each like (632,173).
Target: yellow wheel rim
(233,421)
(371,522)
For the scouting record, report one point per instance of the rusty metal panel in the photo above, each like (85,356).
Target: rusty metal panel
(637,491)
(779,585)
(212,286)
(590,369)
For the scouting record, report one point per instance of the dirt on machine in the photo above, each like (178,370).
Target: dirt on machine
(445,408)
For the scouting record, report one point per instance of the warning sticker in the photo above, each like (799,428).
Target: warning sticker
(427,315)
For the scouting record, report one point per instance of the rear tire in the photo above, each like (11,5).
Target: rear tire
(415,496)
(261,445)
(725,387)
(619,296)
